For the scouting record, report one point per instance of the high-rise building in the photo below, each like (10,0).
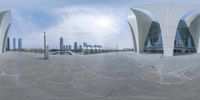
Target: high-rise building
(61,43)
(8,44)
(75,46)
(19,44)
(80,47)
(64,47)
(14,44)
(84,44)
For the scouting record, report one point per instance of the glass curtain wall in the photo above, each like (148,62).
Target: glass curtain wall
(183,40)
(153,42)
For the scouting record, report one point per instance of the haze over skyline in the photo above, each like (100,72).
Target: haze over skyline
(101,22)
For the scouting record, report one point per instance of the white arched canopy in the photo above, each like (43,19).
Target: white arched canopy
(193,22)
(141,23)
(5,23)
(168,16)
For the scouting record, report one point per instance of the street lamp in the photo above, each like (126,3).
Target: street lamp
(46,48)
(44,42)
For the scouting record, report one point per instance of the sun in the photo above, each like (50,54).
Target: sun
(104,22)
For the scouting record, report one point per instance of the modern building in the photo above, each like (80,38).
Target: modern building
(80,47)
(14,44)
(84,44)
(5,23)
(61,43)
(64,47)
(165,28)
(19,44)
(75,46)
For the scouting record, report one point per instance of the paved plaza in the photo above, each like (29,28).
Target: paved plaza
(107,76)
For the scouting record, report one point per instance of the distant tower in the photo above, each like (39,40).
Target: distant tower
(80,47)
(64,47)
(61,43)
(84,44)
(19,44)
(75,46)
(14,44)
(70,47)
(8,44)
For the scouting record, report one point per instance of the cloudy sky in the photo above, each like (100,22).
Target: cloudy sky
(93,21)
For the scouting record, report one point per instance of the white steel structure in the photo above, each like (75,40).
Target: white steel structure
(165,28)
(5,23)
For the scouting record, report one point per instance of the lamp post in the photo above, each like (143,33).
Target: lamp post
(46,48)
(44,44)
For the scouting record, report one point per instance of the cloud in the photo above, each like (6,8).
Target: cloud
(93,21)
(83,24)
(94,25)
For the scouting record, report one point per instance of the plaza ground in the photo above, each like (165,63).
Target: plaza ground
(107,76)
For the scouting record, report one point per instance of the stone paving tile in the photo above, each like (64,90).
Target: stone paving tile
(110,76)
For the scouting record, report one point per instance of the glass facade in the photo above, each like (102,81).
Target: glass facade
(183,40)
(153,42)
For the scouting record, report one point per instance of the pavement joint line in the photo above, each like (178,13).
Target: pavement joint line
(106,78)
(79,90)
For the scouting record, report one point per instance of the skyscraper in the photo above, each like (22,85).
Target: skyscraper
(80,47)
(8,44)
(19,44)
(14,44)
(84,44)
(75,46)
(64,47)
(61,43)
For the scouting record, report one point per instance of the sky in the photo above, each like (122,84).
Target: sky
(102,22)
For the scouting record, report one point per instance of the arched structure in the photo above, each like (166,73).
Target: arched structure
(5,23)
(170,19)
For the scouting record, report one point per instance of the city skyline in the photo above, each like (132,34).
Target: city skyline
(92,21)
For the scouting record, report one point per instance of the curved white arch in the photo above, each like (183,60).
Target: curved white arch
(5,38)
(140,22)
(191,16)
(133,35)
(132,22)
(193,22)
(5,22)
(147,13)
